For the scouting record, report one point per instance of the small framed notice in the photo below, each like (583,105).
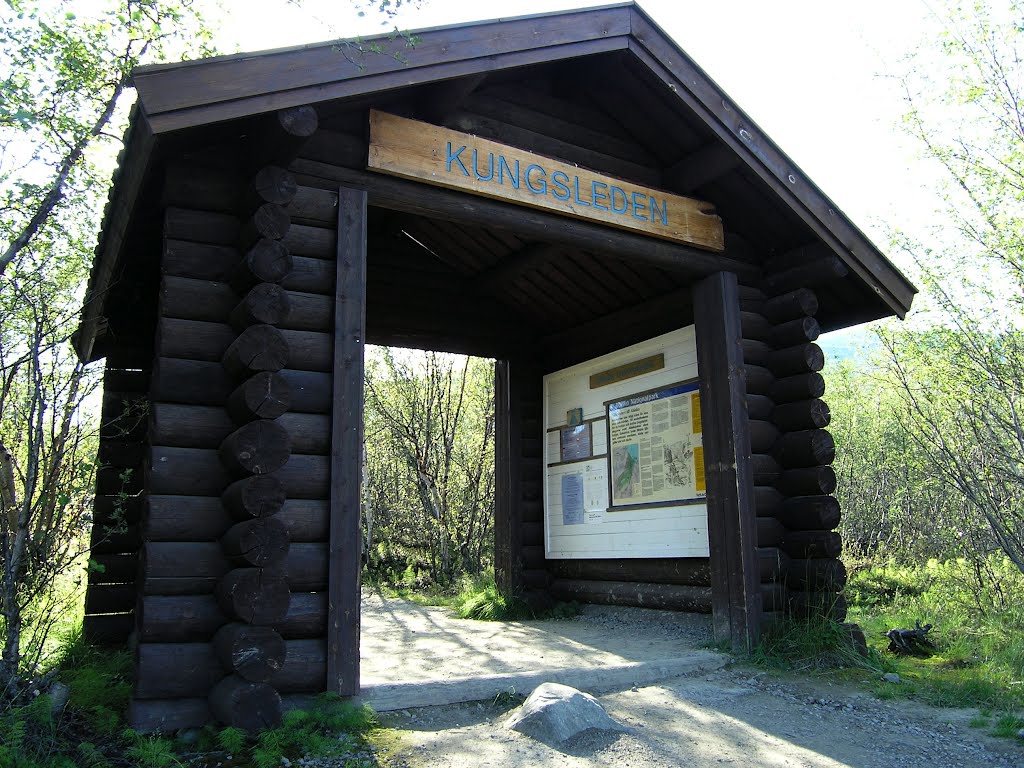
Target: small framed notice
(577,443)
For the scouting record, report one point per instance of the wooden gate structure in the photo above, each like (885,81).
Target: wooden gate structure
(588,187)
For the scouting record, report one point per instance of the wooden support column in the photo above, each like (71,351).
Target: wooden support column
(508,518)
(347,446)
(732,533)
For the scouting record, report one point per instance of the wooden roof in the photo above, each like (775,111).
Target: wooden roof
(604,88)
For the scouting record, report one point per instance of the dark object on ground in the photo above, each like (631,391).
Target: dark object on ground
(911,642)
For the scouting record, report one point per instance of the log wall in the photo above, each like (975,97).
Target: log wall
(234,524)
(798,548)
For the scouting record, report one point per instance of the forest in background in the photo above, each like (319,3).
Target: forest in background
(928,424)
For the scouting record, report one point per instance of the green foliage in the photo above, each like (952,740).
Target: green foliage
(481,599)
(231,739)
(813,643)
(151,751)
(332,728)
(429,491)
(979,655)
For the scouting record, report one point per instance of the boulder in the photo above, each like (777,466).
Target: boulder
(555,713)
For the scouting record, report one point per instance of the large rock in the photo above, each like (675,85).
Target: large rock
(554,713)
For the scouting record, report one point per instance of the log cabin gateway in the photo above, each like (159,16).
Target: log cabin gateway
(660,432)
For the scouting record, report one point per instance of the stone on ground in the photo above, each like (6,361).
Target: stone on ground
(555,713)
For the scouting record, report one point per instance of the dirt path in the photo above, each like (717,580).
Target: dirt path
(738,716)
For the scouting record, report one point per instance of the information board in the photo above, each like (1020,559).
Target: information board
(624,473)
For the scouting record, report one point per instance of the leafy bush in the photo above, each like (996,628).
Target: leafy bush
(481,599)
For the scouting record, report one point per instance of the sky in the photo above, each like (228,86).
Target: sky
(818,76)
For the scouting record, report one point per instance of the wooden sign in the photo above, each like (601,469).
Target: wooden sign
(448,158)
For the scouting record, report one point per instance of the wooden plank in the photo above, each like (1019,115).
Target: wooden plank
(527,223)
(444,157)
(507,520)
(347,445)
(732,530)
(245,84)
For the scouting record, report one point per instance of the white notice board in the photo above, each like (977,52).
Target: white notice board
(623,455)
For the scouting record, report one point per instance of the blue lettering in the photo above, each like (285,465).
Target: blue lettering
(625,201)
(454,158)
(581,202)
(661,213)
(476,166)
(598,196)
(542,186)
(503,168)
(638,205)
(561,185)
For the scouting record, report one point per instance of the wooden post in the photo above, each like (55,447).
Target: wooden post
(732,533)
(347,446)
(507,534)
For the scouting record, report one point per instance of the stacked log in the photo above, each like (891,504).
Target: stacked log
(111,593)
(798,550)
(235,522)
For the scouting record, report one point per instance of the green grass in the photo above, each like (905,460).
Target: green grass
(978,633)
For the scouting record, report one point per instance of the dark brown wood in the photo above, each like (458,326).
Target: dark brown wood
(820,575)
(196,426)
(254,595)
(806,448)
(810,513)
(305,667)
(826,604)
(763,435)
(109,629)
(819,272)
(116,510)
(673,597)
(106,539)
(196,186)
(194,382)
(770,562)
(257,448)
(765,469)
(254,497)
(258,348)
(347,446)
(688,571)
(760,407)
(201,518)
(312,205)
(756,352)
(793,305)
(799,359)
(200,226)
(199,472)
(196,618)
(759,380)
(729,472)
(181,568)
(314,242)
(803,386)
(812,544)
(797,331)
(769,532)
(239,703)
(802,414)
(508,535)
(809,481)
(113,568)
(755,326)
(767,499)
(273,184)
(260,542)
(263,396)
(110,598)
(175,670)
(167,715)
(266,303)
(266,261)
(253,653)
(189,299)
(270,221)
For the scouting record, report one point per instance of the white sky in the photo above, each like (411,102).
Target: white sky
(816,75)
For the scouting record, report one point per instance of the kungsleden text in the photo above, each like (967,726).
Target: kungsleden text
(498,170)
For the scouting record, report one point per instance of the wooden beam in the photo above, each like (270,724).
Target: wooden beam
(732,532)
(511,266)
(440,100)
(507,506)
(347,446)
(447,205)
(700,167)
